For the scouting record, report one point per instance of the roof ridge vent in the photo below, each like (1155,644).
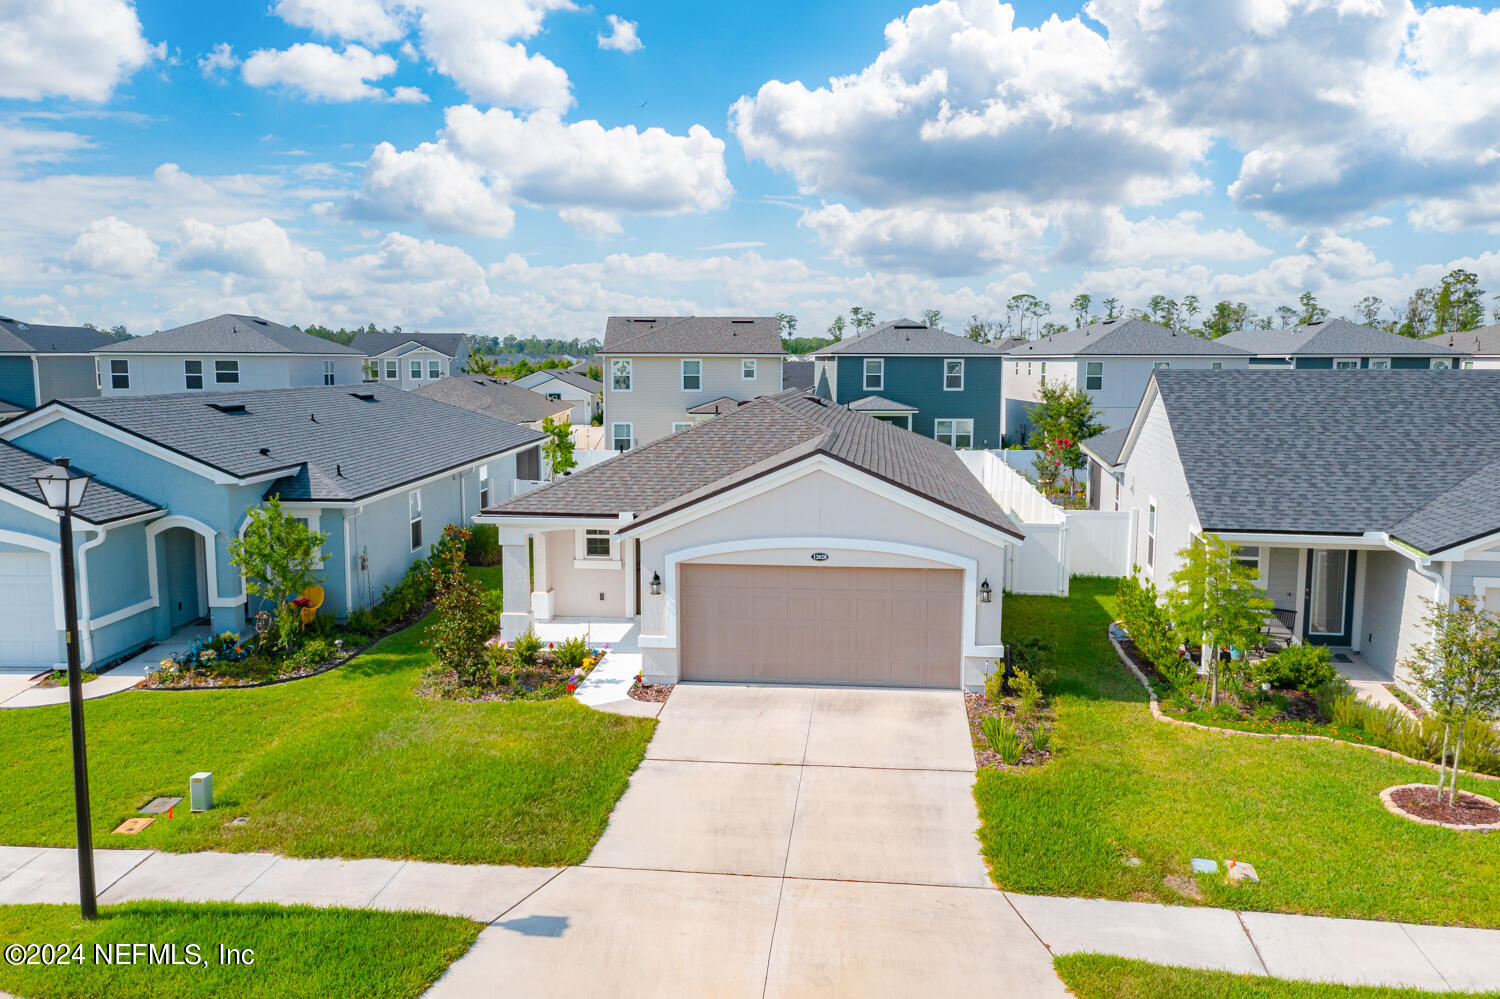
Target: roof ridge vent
(257,319)
(742,320)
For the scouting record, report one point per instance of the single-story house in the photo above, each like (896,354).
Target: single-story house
(411,360)
(585,394)
(504,401)
(228,353)
(1482,346)
(1355,495)
(380,471)
(1340,345)
(39,363)
(789,540)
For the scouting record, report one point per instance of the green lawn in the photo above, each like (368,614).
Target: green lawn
(1095,976)
(1306,814)
(296,951)
(350,763)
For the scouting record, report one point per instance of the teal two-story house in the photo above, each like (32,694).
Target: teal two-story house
(1338,344)
(380,471)
(926,380)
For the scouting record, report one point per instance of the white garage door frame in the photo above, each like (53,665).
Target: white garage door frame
(970,568)
(53,551)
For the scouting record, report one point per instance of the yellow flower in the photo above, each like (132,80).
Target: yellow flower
(588,662)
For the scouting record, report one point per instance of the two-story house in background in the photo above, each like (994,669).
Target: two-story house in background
(1111,360)
(411,360)
(227,353)
(41,363)
(576,388)
(926,380)
(1337,344)
(664,374)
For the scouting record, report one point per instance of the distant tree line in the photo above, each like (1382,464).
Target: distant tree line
(535,346)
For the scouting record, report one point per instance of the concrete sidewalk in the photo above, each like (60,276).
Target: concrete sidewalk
(528,918)
(26,693)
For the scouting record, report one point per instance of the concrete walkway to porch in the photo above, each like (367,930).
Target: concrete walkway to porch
(1369,683)
(607,688)
(27,694)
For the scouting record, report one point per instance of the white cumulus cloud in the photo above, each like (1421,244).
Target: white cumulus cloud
(431,185)
(259,248)
(357,20)
(621,37)
(114,247)
(220,59)
(81,49)
(478,44)
(318,72)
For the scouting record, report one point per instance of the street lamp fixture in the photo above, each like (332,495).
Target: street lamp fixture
(62,488)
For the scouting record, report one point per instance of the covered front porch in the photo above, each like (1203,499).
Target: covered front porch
(566,569)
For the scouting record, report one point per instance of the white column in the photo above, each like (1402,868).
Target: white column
(515,616)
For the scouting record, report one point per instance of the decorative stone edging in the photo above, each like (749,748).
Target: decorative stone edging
(1159,715)
(1395,809)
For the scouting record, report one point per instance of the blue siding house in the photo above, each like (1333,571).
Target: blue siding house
(926,380)
(379,470)
(1342,345)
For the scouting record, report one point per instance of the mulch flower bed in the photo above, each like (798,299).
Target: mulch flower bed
(652,693)
(978,707)
(547,678)
(1301,706)
(1467,810)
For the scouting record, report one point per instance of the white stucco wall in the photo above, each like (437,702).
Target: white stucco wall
(1153,472)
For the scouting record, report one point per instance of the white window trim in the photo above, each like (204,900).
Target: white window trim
(415,519)
(432,366)
(414,368)
(1354,361)
(330,373)
(1087,375)
(751,365)
(186,374)
(629,374)
(629,433)
(1380,363)
(393,371)
(583,560)
(484,486)
(123,372)
(960,362)
(1161,365)
(879,374)
(683,373)
(954,434)
(678,425)
(1152,513)
(219,372)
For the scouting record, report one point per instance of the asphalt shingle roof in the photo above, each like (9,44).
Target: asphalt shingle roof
(715,407)
(906,336)
(1413,453)
(228,334)
(502,400)
(335,443)
(1481,341)
(448,344)
(570,377)
(102,502)
(1107,446)
(691,335)
(757,438)
(17,337)
(880,404)
(1123,337)
(798,374)
(1333,338)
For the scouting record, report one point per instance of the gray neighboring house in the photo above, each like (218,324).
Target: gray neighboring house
(657,369)
(1355,495)
(1111,360)
(798,374)
(411,360)
(379,470)
(228,353)
(504,401)
(1341,345)
(789,540)
(1482,346)
(583,393)
(39,363)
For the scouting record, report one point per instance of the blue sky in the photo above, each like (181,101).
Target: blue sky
(528,166)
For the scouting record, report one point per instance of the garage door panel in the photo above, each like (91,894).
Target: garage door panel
(28,633)
(825,624)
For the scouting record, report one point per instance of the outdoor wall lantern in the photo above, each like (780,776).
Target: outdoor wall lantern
(985,592)
(62,488)
(656,584)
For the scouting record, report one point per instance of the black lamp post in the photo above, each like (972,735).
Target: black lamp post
(62,489)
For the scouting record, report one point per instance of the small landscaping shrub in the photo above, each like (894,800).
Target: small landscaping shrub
(525,649)
(484,545)
(1041,739)
(362,621)
(1421,739)
(1028,692)
(1151,629)
(410,595)
(1029,655)
(572,652)
(1001,734)
(463,620)
(1297,667)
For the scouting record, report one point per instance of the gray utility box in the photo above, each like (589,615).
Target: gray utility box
(201,791)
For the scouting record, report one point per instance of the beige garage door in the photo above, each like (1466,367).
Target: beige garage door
(824,624)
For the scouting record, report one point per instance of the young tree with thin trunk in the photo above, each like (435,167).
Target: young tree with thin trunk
(558,447)
(1458,671)
(1215,597)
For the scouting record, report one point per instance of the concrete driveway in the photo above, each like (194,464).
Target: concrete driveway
(777,842)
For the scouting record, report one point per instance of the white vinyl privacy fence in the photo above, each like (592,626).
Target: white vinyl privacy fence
(1059,543)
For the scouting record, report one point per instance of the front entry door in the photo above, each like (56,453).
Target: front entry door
(1328,599)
